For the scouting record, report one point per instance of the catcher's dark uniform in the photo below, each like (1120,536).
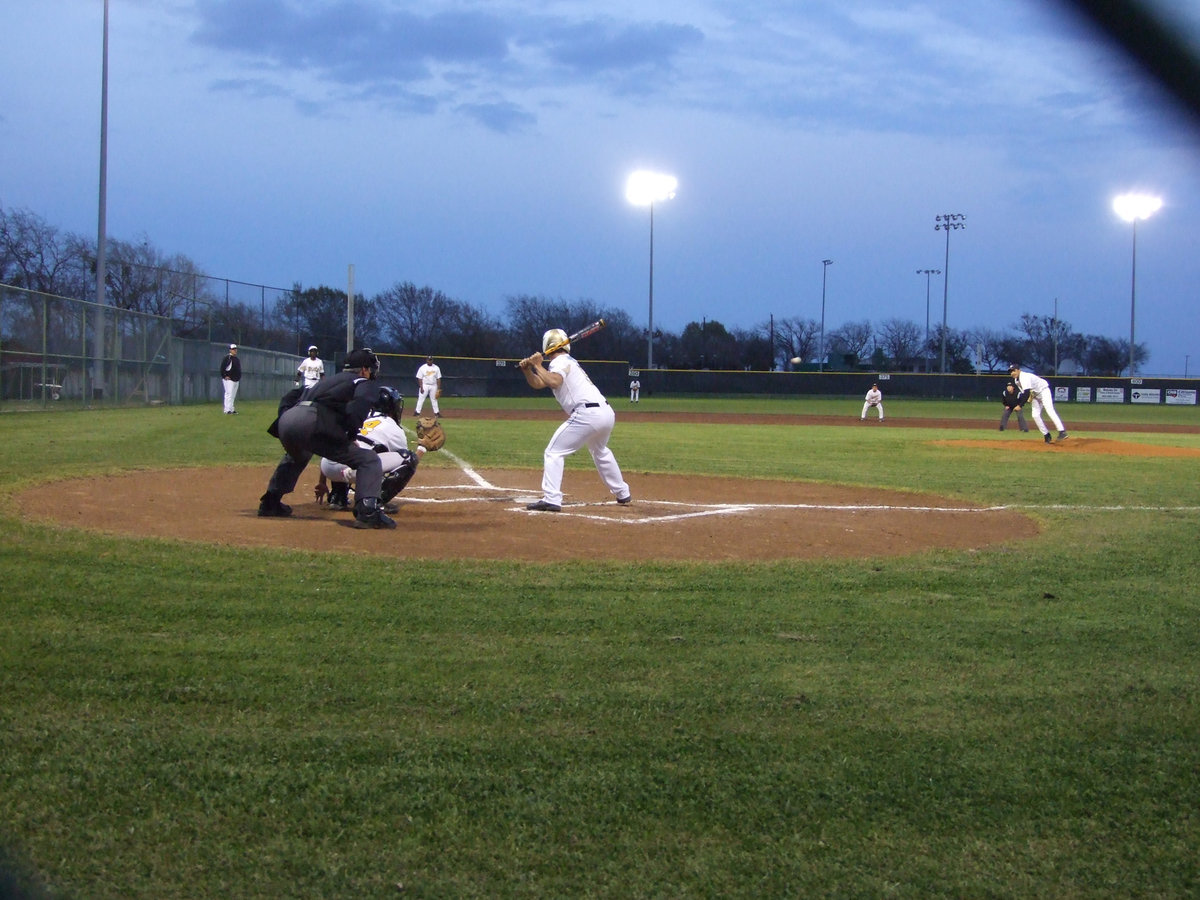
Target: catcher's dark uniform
(324,421)
(1012,397)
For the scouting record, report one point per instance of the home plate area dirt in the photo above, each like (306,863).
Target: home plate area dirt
(450,513)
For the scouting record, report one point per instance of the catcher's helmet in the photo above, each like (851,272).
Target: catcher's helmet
(362,359)
(555,336)
(390,403)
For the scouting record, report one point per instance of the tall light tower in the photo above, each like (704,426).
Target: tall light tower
(927,273)
(947,222)
(644,189)
(1132,207)
(825,264)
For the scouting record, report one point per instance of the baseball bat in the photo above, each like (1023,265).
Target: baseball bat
(585,331)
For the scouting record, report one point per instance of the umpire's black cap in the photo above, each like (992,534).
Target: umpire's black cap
(361,359)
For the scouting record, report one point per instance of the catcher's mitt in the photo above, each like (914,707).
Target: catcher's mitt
(429,433)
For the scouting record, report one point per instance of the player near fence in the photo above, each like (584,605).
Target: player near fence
(231,376)
(311,369)
(589,422)
(873,398)
(429,384)
(1042,397)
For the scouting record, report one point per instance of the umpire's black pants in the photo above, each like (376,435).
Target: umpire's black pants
(301,438)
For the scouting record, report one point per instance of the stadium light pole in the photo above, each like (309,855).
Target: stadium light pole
(1132,207)
(645,189)
(927,273)
(825,264)
(947,222)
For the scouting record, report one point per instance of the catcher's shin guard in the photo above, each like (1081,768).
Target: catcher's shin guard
(396,480)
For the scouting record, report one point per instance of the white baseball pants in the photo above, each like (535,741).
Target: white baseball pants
(586,427)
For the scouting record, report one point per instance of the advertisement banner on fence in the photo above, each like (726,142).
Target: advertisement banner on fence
(1145,395)
(1179,397)
(1110,395)
(1062,394)
(1083,395)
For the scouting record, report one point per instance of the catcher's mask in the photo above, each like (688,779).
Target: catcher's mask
(362,359)
(390,403)
(555,336)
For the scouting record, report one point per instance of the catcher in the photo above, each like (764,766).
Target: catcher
(381,433)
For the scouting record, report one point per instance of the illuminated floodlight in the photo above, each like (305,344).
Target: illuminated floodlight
(645,188)
(1132,207)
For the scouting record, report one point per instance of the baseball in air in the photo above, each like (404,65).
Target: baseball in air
(796,360)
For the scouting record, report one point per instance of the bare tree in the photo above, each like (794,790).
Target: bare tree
(900,340)
(797,336)
(854,339)
(414,319)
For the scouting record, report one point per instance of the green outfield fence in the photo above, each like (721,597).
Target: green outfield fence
(60,352)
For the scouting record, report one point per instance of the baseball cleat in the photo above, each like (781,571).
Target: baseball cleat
(1049,440)
(268,509)
(1062,435)
(626,500)
(543,506)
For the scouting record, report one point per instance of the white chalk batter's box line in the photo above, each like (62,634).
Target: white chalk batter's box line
(521,496)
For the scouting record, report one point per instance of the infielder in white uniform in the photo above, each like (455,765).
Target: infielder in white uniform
(1042,397)
(382,433)
(635,391)
(311,369)
(429,384)
(589,422)
(874,398)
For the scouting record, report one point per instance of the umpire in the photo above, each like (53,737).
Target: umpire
(1013,398)
(324,422)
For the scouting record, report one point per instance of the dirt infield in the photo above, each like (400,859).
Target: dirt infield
(458,513)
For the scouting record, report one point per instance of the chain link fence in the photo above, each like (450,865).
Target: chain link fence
(58,350)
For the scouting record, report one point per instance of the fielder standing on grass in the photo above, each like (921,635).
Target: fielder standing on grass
(429,384)
(873,398)
(1042,398)
(231,376)
(589,422)
(311,368)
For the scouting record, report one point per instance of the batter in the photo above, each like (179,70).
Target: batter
(589,422)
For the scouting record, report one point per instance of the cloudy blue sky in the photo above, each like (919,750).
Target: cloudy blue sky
(482,148)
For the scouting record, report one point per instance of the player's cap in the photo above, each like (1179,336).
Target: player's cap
(233,346)
(1015,367)
(312,348)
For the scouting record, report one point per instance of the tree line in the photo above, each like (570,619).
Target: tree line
(409,319)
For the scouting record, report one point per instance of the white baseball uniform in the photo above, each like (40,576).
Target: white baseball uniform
(874,398)
(429,377)
(311,370)
(376,429)
(590,422)
(1042,397)
(635,391)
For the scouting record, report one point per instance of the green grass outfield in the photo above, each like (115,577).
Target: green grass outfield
(206,721)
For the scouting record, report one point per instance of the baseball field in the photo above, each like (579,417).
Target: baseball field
(815,657)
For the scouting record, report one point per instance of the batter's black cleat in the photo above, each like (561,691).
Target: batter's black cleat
(543,506)
(1049,440)
(368,514)
(270,506)
(626,500)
